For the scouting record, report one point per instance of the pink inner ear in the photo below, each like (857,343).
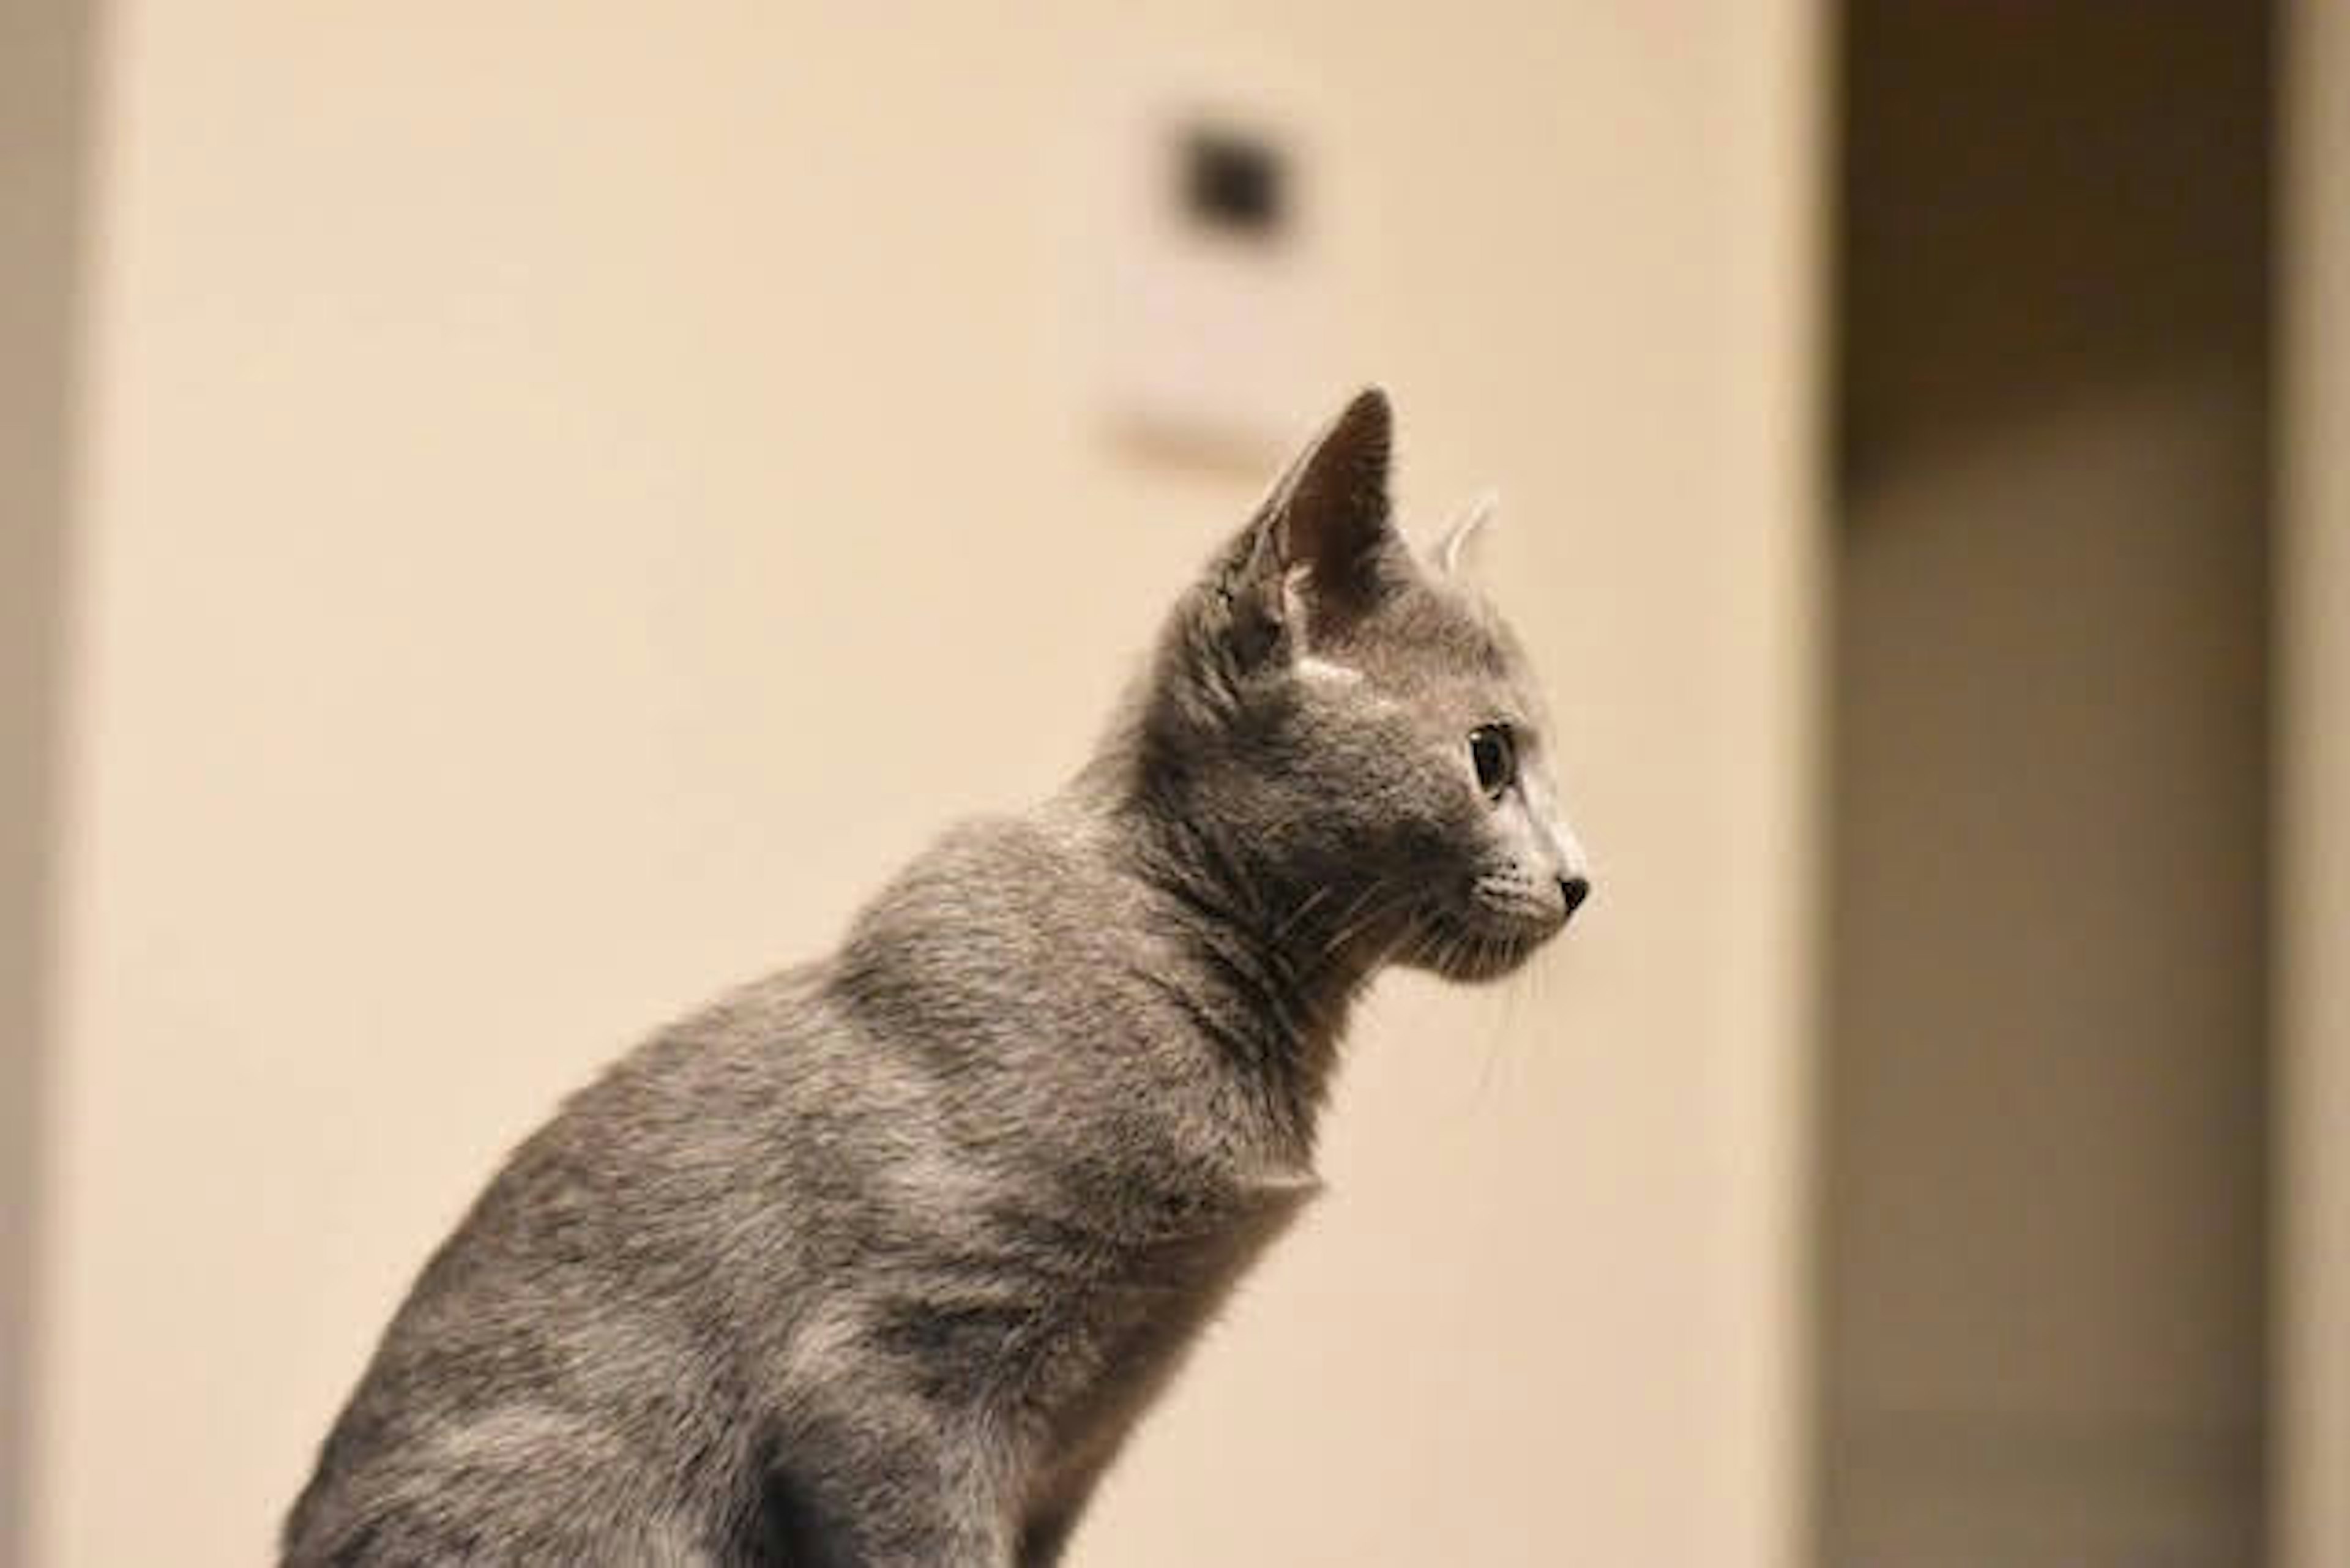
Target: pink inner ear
(1334,508)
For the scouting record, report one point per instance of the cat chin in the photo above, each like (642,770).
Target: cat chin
(1472,953)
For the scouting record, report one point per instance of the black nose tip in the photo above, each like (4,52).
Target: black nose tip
(1575,889)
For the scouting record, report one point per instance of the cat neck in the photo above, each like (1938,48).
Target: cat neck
(1265,962)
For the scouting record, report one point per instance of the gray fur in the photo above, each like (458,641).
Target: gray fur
(877,1260)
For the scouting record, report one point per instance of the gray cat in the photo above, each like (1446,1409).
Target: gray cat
(877,1260)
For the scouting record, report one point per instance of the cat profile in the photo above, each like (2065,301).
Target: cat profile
(877,1260)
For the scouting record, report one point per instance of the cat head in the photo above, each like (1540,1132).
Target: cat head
(1352,730)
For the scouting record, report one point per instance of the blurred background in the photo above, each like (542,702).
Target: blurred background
(519,516)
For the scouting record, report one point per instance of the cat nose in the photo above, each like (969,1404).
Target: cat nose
(1574,889)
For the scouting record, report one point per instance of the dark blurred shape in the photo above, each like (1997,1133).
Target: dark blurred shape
(2037,200)
(2044,1125)
(1235,183)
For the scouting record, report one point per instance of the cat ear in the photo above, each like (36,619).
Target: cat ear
(1321,533)
(1459,548)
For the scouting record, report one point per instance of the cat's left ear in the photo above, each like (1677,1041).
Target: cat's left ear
(1324,535)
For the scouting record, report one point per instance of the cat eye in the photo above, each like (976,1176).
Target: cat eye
(1495,753)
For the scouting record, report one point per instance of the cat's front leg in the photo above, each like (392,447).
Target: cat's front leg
(1045,1537)
(1052,1517)
(889,1489)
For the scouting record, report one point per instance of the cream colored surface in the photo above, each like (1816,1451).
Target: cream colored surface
(577,493)
(2311,1434)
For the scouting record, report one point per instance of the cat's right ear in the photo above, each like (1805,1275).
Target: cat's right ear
(1316,550)
(1456,552)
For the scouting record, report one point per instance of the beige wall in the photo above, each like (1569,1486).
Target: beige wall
(574,497)
(2313,1428)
